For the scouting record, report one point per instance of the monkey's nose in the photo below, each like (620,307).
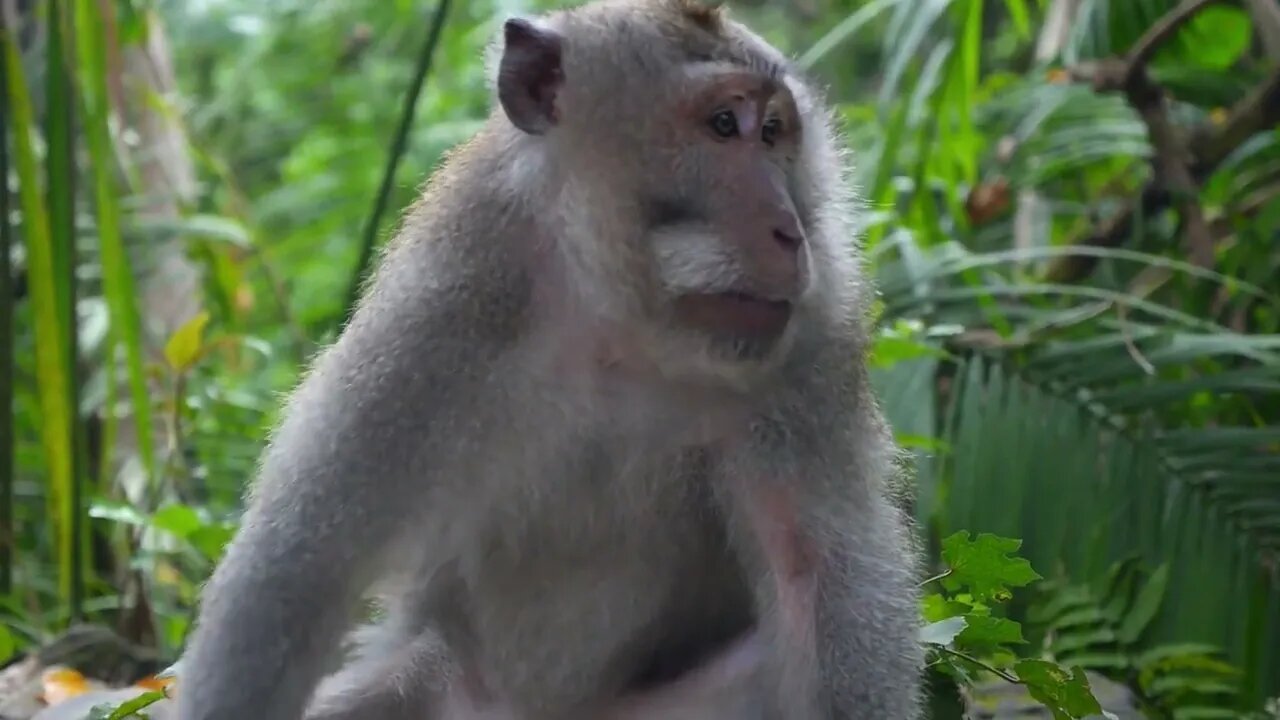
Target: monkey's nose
(789,238)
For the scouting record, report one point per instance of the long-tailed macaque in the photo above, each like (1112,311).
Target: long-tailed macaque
(599,435)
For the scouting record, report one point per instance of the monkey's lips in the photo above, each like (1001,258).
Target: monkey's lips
(735,313)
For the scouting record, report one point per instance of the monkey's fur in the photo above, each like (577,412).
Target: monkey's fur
(569,475)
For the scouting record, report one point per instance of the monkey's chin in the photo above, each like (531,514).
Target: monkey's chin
(747,324)
(727,339)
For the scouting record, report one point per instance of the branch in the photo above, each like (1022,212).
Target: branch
(1258,111)
(1209,145)
(1179,163)
(1007,677)
(1266,17)
(935,578)
(1159,33)
(1171,161)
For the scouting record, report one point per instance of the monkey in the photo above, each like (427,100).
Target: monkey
(599,438)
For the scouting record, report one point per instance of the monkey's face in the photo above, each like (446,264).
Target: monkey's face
(681,140)
(728,247)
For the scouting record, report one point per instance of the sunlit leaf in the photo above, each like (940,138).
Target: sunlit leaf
(181,520)
(187,343)
(984,565)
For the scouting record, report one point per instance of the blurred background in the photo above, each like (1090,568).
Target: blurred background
(1072,214)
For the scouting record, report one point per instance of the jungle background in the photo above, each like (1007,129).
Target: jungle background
(1072,214)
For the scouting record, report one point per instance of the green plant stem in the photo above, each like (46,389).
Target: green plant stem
(117,275)
(6,341)
(61,189)
(935,578)
(398,146)
(985,666)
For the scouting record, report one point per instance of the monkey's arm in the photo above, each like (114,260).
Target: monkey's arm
(349,469)
(837,564)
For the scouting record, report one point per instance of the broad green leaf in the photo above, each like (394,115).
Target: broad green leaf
(1216,37)
(181,520)
(211,540)
(984,565)
(935,607)
(1066,693)
(984,630)
(920,442)
(1145,607)
(187,343)
(889,350)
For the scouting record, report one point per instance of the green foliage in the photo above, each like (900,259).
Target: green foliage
(962,628)
(55,397)
(1065,693)
(8,646)
(984,566)
(1101,397)
(1100,626)
(127,709)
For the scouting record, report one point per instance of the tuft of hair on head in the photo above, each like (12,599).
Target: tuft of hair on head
(706,14)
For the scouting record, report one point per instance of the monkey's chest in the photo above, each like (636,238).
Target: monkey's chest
(616,575)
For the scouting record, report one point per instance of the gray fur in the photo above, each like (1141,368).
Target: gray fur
(540,479)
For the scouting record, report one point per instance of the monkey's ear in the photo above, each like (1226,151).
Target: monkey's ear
(530,75)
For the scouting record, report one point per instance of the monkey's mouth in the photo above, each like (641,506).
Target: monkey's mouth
(736,314)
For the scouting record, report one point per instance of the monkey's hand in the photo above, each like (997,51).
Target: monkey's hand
(724,688)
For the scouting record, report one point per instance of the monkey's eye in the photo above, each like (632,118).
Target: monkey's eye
(724,124)
(770,130)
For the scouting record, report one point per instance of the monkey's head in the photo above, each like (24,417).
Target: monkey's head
(693,178)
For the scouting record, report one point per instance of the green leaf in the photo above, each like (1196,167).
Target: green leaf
(185,345)
(181,520)
(1216,37)
(984,630)
(1174,652)
(8,646)
(1066,694)
(53,385)
(1145,607)
(127,709)
(942,632)
(118,282)
(120,512)
(211,540)
(889,350)
(984,566)
(846,29)
(1018,13)
(935,607)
